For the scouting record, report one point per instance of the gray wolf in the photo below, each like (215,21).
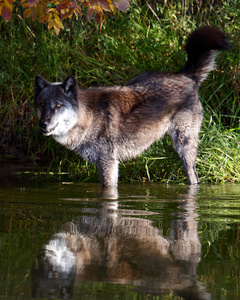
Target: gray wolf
(107,125)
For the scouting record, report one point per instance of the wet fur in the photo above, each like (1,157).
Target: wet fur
(106,125)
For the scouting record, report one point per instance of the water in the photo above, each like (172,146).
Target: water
(66,240)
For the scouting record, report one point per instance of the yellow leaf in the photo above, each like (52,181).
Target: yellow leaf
(56,29)
(58,22)
(43,18)
(51,10)
(27,13)
(25,5)
(111,5)
(114,10)
(8,5)
(56,16)
(39,10)
(50,24)
(11,1)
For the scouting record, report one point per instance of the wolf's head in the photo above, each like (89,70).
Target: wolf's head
(56,105)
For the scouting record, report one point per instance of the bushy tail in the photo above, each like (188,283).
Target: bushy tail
(202,47)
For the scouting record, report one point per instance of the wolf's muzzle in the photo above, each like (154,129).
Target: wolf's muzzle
(45,130)
(43,125)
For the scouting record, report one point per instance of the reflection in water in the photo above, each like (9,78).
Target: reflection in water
(110,245)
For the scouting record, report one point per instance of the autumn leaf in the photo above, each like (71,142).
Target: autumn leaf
(32,2)
(63,5)
(92,3)
(6,10)
(90,13)
(50,24)
(112,6)
(25,5)
(43,18)
(6,13)
(53,12)
(8,5)
(67,14)
(77,8)
(43,4)
(104,5)
(39,10)
(58,21)
(34,14)
(56,29)
(99,19)
(27,13)
(122,5)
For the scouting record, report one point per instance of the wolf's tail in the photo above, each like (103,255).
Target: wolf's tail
(202,47)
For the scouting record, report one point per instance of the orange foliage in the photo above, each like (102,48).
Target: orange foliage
(53,12)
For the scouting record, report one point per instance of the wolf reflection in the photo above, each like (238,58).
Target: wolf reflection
(110,245)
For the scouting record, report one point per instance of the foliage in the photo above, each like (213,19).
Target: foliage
(145,38)
(53,12)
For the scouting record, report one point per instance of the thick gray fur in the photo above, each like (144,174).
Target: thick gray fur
(106,125)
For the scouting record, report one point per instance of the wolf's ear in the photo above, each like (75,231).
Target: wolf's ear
(70,87)
(40,84)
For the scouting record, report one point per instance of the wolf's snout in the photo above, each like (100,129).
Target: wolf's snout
(43,125)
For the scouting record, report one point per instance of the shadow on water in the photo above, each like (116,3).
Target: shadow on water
(66,240)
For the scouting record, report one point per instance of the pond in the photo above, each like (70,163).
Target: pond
(64,240)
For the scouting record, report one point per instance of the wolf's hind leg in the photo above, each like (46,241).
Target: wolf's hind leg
(108,170)
(189,164)
(185,142)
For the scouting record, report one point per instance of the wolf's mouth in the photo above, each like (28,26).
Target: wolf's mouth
(49,131)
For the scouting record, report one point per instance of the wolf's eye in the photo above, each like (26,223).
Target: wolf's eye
(42,104)
(58,105)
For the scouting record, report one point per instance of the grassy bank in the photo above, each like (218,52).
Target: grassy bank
(149,37)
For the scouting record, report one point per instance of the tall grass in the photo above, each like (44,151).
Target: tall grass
(149,37)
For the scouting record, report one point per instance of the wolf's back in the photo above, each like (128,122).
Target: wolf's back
(202,47)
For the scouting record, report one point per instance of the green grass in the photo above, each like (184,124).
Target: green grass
(147,37)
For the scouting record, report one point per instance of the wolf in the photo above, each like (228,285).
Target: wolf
(107,125)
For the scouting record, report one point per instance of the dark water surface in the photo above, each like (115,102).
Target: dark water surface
(66,240)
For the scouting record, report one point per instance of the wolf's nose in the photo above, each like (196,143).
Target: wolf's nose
(43,125)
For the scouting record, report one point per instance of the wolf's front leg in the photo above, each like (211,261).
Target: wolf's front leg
(108,170)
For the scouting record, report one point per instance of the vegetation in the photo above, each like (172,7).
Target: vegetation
(53,12)
(149,36)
